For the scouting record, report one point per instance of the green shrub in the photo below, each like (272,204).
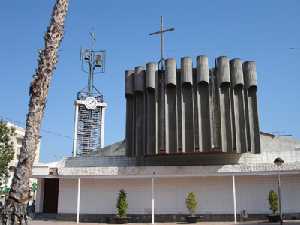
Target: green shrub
(191,202)
(122,204)
(273,201)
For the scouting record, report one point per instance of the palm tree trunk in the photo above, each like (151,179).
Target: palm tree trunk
(15,206)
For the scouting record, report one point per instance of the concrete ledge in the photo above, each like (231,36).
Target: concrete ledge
(182,159)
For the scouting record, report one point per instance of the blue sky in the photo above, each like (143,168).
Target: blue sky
(264,31)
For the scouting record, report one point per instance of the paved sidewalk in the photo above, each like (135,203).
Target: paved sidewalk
(291,222)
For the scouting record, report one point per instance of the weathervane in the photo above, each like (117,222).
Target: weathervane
(161,33)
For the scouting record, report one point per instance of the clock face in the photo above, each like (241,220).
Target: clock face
(90,103)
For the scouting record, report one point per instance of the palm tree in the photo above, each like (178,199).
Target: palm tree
(15,206)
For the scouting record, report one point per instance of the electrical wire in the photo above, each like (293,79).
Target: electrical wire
(22,124)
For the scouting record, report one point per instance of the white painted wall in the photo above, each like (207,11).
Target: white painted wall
(39,201)
(252,193)
(67,196)
(99,196)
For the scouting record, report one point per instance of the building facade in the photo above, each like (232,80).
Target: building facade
(187,130)
(192,109)
(17,144)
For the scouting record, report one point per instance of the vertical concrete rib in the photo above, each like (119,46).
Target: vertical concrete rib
(238,106)
(171,106)
(223,76)
(214,111)
(156,121)
(179,109)
(161,113)
(203,104)
(139,85)
(187,105)
(151,69)
(196,110)
(129,94)
(249,69)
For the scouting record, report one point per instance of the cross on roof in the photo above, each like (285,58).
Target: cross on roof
(161,32)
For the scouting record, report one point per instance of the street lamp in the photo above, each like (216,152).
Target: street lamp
(279,162)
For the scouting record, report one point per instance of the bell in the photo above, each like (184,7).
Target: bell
(98,61)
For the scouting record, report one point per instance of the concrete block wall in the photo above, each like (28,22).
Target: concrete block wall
(192,109)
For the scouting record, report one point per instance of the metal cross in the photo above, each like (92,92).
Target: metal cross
(161,32)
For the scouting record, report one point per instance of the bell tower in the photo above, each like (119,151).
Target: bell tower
(90,105)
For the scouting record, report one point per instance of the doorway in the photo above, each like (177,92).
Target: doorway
(51,190)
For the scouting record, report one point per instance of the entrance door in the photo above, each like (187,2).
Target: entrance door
(51,189)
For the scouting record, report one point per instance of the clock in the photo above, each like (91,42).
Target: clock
(90,103)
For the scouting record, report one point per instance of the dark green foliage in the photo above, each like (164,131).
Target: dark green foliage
(273,201)
(6,150)
(122,204)
(4,190)
(191,202)
(34,187)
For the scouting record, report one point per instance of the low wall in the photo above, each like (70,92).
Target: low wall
(214,195)
(146,218)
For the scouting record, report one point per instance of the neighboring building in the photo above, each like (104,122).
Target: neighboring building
(189,129)
(17,144)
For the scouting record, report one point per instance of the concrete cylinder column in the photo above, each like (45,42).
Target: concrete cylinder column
(171,106)
(223,70)
(151,69)
(250,76)
(238,106)
(202,69)
(139,85)
(129,82)
(151,108)
(236,72)
(170,71)
(202,105)
(188,144)
(249,68)
(130,113)
(186,70)
(223,77)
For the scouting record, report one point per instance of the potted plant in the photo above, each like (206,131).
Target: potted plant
(273,203)
(191,205)
(122,207)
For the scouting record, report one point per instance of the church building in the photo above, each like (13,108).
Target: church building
(189,128)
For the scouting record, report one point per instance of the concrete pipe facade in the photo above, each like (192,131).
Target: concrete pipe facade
(170,71)
(236,72)
(186,70)
(151,69)
(192,110)
(249,68)
(129,82)
(202,69)
(223,70)
(139,75)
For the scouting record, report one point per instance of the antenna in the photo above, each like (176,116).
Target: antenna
(92,62)
(90,106)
